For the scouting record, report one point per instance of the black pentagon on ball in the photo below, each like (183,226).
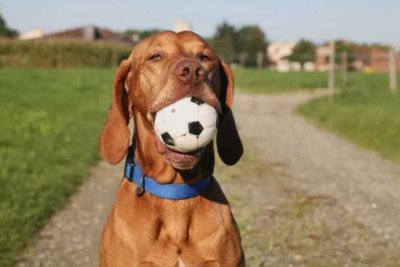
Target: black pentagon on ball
(196,100)
(167,138)
(195,127)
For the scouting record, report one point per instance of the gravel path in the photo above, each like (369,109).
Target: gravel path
(314,161)
(322,163)
(72,236)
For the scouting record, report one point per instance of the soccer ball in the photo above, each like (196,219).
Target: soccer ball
(186,125)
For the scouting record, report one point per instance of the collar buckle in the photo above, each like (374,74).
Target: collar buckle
(140,187)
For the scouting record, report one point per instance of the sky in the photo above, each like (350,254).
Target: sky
(366,21)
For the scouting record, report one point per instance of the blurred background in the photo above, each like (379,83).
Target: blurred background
(317,104)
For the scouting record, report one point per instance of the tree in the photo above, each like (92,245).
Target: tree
(4,30)
(303,51)
(251,40)
(225,42)
(343,46)
(146,33)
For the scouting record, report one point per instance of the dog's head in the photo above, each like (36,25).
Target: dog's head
(161,70)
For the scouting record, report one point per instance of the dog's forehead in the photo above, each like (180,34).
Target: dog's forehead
(195,46)
(187,42)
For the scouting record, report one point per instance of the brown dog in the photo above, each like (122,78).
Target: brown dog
(146,230)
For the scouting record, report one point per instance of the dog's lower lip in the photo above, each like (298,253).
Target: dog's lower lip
(196,153)
(175,156)
(193,154)
(180,160)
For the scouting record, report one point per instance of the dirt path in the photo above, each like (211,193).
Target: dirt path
(343,202)
(322,163)
(302,197)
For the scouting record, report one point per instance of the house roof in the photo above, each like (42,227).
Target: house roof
(90,33)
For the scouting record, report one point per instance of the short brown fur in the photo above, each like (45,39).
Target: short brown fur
(148,230)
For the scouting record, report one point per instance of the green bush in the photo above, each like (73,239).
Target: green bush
(60,54)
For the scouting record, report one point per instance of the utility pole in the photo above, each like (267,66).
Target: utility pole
(392,70)
(345,67)
(332,70)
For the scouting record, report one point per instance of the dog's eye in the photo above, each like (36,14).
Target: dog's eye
(155,56)
(204,57)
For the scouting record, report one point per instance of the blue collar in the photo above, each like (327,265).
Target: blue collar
(134,173)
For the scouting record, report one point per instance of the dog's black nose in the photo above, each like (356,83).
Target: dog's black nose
(190,71)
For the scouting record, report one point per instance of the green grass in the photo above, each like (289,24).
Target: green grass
(266,81)
(50,123)
(365,113)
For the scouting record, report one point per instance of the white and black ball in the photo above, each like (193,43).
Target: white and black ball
(186,125)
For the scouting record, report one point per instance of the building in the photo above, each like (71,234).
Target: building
(32,34)
(373,59)
(182,25)
(91,33)
(278,55)
(360,58)
(322,53)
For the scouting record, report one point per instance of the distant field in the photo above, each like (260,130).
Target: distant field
(266,81)
(50,122)
(365,113)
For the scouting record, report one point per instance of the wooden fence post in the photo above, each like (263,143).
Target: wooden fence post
(345,67)
(392,70)
(242,59)
(332,70)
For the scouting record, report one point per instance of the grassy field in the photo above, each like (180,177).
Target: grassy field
(265,81)
(365,113)
(50,121)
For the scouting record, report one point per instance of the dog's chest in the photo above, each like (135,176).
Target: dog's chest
(173,227)
(179,233)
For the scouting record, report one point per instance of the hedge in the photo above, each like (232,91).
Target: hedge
(61,53)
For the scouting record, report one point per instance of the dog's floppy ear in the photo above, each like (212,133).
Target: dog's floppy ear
(229,145)
(114,139)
